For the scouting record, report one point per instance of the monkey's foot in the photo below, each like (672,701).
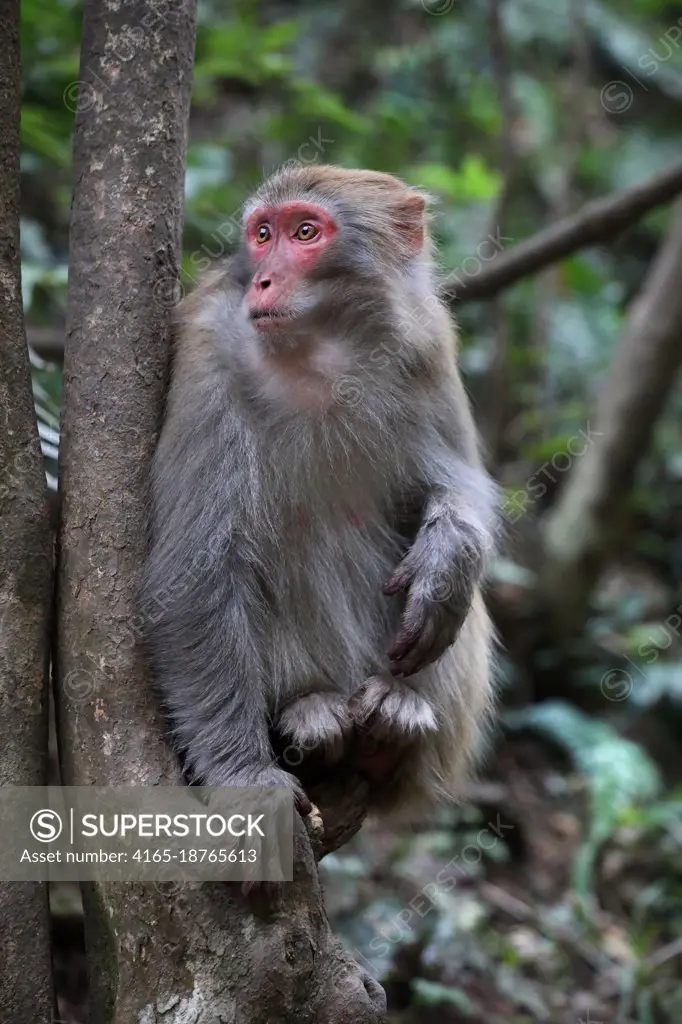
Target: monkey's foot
(315,829)
(343,808)
(390,712)
(314,723)
(271,775)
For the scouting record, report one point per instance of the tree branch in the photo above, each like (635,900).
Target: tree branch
(25,574)
(597,221)
(199,954)
(582,528)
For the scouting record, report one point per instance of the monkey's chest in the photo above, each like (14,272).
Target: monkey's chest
(350,545)
(326,599)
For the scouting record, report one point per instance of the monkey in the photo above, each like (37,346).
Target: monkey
(320,516)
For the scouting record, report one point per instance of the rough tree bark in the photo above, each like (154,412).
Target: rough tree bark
(582,528)
(197,955)
(25,575)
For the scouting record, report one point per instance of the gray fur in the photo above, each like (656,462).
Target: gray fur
(281,509)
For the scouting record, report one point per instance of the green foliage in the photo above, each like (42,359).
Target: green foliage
(431,993)
(619,773)
(242,49)
(473,181)
(39,137)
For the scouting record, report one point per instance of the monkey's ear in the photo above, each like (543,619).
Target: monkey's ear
(410,220)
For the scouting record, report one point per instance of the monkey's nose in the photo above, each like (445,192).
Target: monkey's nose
(264,283)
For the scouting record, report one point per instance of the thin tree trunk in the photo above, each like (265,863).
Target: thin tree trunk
(25,575)
(197,955)
(583,527)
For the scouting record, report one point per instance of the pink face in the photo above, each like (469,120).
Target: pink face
(284,242)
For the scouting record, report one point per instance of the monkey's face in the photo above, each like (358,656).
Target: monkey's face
(287,244)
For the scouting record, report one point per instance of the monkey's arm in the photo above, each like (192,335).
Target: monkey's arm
(441,570)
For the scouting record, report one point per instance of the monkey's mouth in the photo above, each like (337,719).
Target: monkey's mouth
(270,319)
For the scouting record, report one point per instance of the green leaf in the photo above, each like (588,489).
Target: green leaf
(432,993)
(436,178)
(317,102)
(474,180)
(40,131)
(619,773)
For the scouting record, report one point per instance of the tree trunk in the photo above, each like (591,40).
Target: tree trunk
(582,528)
(197,955)
(25,575)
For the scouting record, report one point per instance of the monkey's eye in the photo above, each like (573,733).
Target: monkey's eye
(307,232)
(263,234)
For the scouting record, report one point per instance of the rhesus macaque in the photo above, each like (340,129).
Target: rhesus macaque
(320,514)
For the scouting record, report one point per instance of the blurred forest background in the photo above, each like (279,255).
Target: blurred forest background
(555,894)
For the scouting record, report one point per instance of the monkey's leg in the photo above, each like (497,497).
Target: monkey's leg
(315,723)
(220,722)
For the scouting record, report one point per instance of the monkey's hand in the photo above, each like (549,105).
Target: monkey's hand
(438,574)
